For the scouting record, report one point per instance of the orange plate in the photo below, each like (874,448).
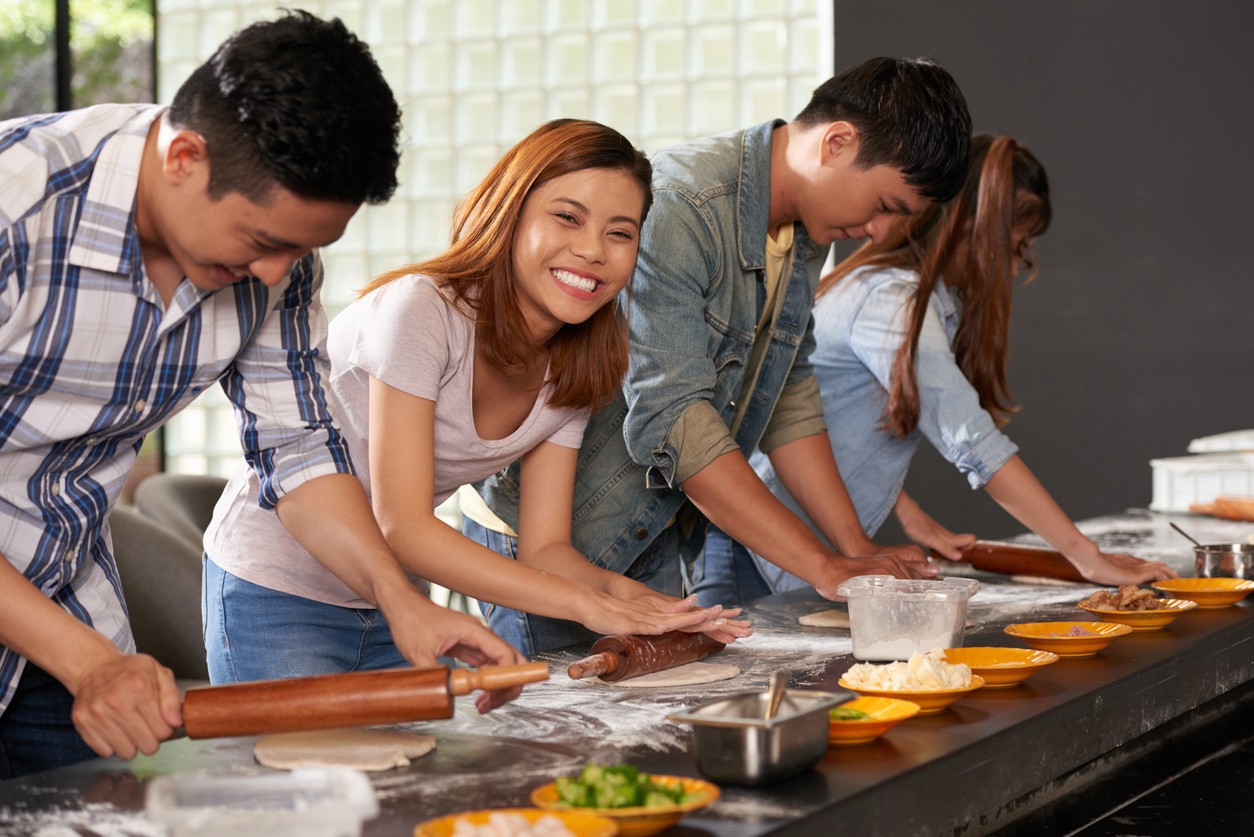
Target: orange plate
(1207,592)
(1052,636)
(1168,611)
(929,702)
(1001,668)
(639,821)
(579,823)
(882,715)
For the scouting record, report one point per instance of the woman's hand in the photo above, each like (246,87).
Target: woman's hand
(1120,568)
(424,631)
(922,528)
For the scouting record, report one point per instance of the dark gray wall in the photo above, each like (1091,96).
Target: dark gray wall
(1138,335)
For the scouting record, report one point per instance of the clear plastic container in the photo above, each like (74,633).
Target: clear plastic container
(309,802)
(892,618)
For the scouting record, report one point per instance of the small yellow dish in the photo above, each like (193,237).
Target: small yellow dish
(1209,593)
(579,823)
(639,821)
(1001,668)
(929,702)
(1168,611)
(1054,636)
(882,715)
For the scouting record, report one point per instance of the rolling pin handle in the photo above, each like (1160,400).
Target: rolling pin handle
(605,662)
(463,681)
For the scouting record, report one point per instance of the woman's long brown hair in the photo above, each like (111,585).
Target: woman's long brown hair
(968,244)
(587,361)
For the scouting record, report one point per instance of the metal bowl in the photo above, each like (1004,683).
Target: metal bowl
(736,745)
(1225,560)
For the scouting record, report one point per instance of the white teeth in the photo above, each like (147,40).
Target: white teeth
(568,278)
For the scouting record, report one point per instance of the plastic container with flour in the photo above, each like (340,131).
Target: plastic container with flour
(892,618)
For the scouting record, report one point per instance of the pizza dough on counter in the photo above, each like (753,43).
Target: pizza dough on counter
(689,674)
(363,749)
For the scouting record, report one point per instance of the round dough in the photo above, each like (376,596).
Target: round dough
(363,749)
(836,619)
(689,674)
(826,619)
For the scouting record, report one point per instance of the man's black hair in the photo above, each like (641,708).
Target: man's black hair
(298,102)
(909,114)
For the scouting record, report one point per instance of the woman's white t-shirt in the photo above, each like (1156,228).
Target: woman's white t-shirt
(409,336)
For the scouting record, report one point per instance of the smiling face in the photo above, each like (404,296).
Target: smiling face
(216,242)
(575,246)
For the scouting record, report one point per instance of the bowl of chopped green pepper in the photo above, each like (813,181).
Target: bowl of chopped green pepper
(639,803)
(865,719)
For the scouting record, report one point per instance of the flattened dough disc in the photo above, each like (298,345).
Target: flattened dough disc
(835,619)
(689,674)
(363,749)
(826,619)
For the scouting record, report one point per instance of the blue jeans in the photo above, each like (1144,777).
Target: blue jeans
(657,567)
(255,633)
(36,732)
(724,573)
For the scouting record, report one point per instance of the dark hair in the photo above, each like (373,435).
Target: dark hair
(297,102)
(969,241)
(909,114)
(587,361)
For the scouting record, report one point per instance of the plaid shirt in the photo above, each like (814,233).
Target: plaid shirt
(92,360)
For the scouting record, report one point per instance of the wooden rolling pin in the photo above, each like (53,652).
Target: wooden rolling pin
(367,698)
(1016,559)
(622,656)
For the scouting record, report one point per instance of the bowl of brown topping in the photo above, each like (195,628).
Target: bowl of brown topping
(1135,607)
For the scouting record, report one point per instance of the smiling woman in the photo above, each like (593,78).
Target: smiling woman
(444,372)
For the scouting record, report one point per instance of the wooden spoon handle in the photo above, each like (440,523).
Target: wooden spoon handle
(463,681)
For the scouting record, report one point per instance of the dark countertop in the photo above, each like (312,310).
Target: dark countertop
(973,766)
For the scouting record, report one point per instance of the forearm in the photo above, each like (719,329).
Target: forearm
(1017,490)
(808,470)
(35,627)
(734,498)
(331,518)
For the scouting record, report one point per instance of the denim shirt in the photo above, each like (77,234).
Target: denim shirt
(860,324)
(693,311)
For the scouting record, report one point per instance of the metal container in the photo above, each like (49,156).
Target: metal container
(1225,560)
(736,745)
(892,618)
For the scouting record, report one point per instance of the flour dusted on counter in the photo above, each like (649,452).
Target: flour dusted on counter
(921,673)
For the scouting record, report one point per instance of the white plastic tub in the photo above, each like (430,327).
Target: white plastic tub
(892,618)
(310,802)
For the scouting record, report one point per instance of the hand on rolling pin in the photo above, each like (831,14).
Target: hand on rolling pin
(125,703)
(633,608)
(425,631)
(718,622)
(922,528)
(1118,567)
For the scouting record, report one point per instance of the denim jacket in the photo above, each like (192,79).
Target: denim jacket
(693,311)
(860,324)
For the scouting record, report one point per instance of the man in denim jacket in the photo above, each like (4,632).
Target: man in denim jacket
(721,333)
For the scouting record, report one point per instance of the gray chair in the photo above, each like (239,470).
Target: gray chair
(183,503)
(160,574)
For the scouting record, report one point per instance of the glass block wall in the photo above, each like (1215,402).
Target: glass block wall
(474,76)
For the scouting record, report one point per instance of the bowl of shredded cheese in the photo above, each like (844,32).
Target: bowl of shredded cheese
(926,679)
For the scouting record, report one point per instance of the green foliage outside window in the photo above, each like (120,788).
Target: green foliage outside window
(111,45)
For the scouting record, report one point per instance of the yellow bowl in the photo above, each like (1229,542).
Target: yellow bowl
(882,715)
(638,821)
(1001,668)
(1168,611)
(929,702)
(1052,636)
(579,823)
(1207,592)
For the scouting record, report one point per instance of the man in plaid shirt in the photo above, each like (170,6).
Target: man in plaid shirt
(146,253)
